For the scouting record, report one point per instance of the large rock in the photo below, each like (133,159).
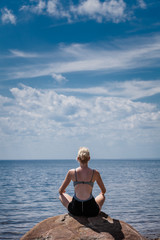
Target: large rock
(69,227)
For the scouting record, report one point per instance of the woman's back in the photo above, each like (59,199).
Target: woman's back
(83,202)
(83,182)
(84,174)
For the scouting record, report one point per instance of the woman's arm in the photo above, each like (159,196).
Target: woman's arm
(65,183)
(100,182)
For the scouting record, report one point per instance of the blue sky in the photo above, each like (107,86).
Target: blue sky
(81,73)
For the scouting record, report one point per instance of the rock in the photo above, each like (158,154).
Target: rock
(69,227)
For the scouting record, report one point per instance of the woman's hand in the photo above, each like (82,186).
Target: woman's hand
(102,193)
(61,192)
(65,183)
(100,183)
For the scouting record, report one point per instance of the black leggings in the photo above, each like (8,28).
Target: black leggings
(88,208)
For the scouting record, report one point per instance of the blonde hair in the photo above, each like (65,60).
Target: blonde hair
(83,155)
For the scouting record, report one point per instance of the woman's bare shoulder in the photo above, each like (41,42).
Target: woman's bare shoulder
(96,171)
(71,173)
(96,174)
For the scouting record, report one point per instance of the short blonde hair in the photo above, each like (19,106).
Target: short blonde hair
(83,155)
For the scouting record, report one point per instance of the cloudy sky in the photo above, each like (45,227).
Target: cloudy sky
(79,73)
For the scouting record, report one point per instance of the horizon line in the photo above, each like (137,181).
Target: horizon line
(69,159)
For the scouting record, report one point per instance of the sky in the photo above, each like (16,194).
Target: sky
(79,73)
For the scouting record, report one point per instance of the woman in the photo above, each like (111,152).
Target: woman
(83,203)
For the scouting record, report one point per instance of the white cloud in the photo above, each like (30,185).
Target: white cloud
(133,89)
(55,9)
(90,8)
(108,10)
(8,16)
(136,89)
(33,118)
(37,112)
(116,9)
(142,4)
(40,7)
(17,53)
(52,7)
(129,54)
(101,11)
(37,9)
(58,77)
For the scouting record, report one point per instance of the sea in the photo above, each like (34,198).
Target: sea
(29,193)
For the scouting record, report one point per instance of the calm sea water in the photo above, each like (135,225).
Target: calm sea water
(29,193)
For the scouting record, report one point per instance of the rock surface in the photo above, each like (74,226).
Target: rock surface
(69,227)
